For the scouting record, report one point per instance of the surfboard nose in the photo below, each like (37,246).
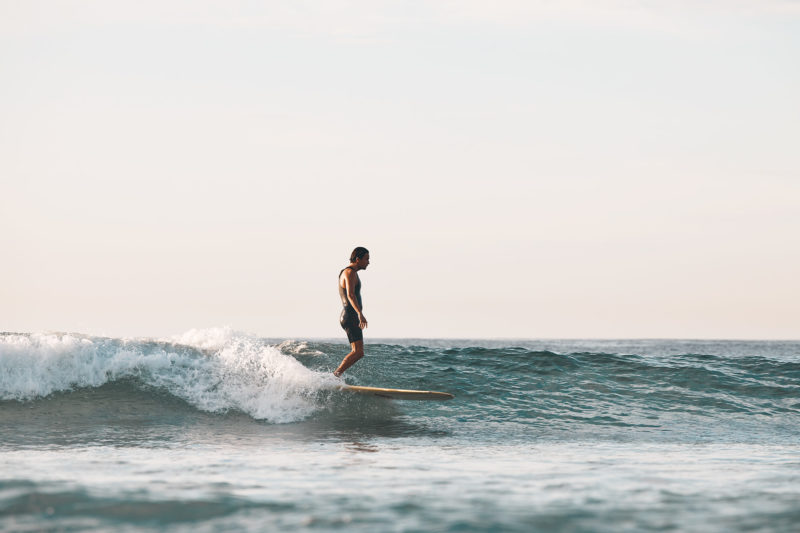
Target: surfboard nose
(399,394)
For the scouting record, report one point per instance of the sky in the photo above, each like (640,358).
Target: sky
(517,169)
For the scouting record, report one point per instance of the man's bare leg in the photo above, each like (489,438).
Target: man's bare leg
(356,353)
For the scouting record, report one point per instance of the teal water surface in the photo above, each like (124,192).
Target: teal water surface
(221,431)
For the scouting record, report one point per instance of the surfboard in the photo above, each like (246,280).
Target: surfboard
(399,394)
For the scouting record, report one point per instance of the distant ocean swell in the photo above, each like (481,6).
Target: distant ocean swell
(689,395)
(25,503)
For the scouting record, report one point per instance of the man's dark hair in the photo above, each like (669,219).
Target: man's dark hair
(358,253)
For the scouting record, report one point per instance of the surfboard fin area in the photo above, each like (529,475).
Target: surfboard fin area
(398,394)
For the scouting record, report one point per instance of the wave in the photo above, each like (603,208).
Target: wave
(214,370)
(558,388)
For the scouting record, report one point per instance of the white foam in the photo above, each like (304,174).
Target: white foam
(298,348)
(208,338)
(229,370)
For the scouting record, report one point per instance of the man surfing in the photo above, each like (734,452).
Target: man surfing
(352,318)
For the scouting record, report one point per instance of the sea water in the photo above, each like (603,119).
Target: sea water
(216,430)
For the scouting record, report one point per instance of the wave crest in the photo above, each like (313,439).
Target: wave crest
(215,370)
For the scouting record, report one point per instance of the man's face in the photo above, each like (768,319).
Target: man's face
(363,261)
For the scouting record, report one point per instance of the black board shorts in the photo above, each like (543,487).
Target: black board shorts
(349,322)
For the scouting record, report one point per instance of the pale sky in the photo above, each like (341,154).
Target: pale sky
(520,169)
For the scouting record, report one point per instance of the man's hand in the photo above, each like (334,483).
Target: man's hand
(362,321)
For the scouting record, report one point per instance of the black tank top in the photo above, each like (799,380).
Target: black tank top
(343,292)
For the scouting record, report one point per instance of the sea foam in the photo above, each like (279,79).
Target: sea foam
(215,370)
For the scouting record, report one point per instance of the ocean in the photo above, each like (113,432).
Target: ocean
(216,430)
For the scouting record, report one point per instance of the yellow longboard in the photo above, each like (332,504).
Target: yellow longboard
(399,394)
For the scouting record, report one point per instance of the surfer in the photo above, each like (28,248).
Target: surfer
(352,318)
